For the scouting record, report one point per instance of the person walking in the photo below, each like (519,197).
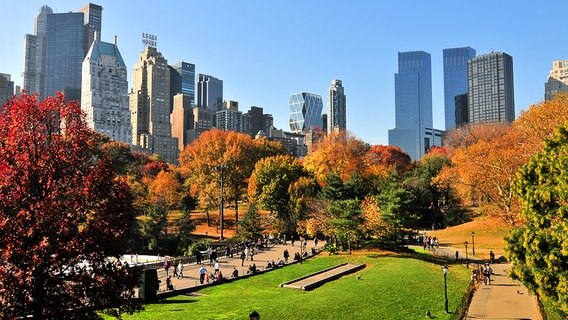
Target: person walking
(166,267)
(180,271)
(286,255)
(202,272)
(243,257)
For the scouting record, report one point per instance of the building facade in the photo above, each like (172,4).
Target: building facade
(557,79)
(491,96)
(92,21)
(202,121)
(209,93)
(6,88)
(181,118)
(305,112)
(150,106)
(413,103)
(104,92)
(455,80)
(336,107)
(34,47)
(182,80)
(461,110)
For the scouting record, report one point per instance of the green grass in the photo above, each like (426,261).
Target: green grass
(390,288)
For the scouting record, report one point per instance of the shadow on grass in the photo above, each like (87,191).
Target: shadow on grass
(175,301)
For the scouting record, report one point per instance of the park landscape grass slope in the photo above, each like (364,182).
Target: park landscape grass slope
(390,287)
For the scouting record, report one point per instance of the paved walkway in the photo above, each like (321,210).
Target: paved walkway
(503,299)
(226,265)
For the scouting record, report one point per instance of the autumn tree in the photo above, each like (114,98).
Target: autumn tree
(538,248)
(381,159)
(236,152)
(338,153)
(270,183)
(60,207)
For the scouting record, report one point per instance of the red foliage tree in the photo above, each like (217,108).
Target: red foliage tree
(61,207)
(388,156)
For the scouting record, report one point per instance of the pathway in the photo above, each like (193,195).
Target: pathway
(504,298)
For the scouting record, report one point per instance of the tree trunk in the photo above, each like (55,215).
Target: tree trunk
(208,219)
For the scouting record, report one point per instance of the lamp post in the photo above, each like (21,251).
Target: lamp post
(301,249)
(445,271)
(221,168)
(466,257)
(473,243)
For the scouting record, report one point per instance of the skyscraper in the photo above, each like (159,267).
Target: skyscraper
(32,77)
(336,107)
(150,106)
(92,20)
(557,79)
(490,88)
(413,104)
(455,80)
(104,93)
(6,88)
(182,80)
(181,118)
(209,93)
(53,56)
(305,112)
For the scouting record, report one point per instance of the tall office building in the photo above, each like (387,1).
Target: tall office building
(229,118)
(336,107)
(209,93)
(413,104)
(202,121)
(182,80)
(490,88)
(104,93)
(32,77)
(557,79)
(92,20)
(150,106)
(181,118)
(461,110)
(455,80)
(305,112)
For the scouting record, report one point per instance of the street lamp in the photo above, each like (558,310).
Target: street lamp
(466,257)
(221,168)
(301,249)
(445,271)
(473,243)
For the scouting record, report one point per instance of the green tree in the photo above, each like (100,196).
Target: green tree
(251,225)
(346,219)
(539,249)
(269,186)
(154,225)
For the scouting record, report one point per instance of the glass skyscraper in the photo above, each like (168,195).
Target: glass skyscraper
(305,112)
(182,80)
(491,96)
(209,93)
(337,107)
(413,104)
(455,80)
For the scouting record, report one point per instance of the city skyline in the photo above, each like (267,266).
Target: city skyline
(252,54)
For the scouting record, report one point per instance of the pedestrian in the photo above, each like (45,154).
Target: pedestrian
(169,285)
(176,263)
(166,266)
(198,257)
(457,255)
(216,266)
(316,242)
(180,271)
(243,257)
(491,257)
(202,272)
(286,255)
(235,273)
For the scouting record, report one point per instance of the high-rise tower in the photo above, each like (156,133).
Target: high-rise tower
(104,93)
(413,104)
(209,93)
(150,106)
(455,80)
(336,107)
(490,88)
(92,20)
(182,80)
(305,112)
(32,77)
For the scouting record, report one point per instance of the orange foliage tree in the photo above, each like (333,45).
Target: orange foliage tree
(337,153)
(381,159)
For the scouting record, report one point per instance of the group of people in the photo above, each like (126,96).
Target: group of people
(486,271)
(177,268)
(211,277)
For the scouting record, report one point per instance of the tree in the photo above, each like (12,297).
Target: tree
(251,225)
(338,153)
(539,248)
(60,207)
(345,220)
(381,158)
(270,183)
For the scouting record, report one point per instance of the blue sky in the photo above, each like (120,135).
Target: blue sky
(264,51)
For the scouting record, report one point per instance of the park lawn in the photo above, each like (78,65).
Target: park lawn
(391,287)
